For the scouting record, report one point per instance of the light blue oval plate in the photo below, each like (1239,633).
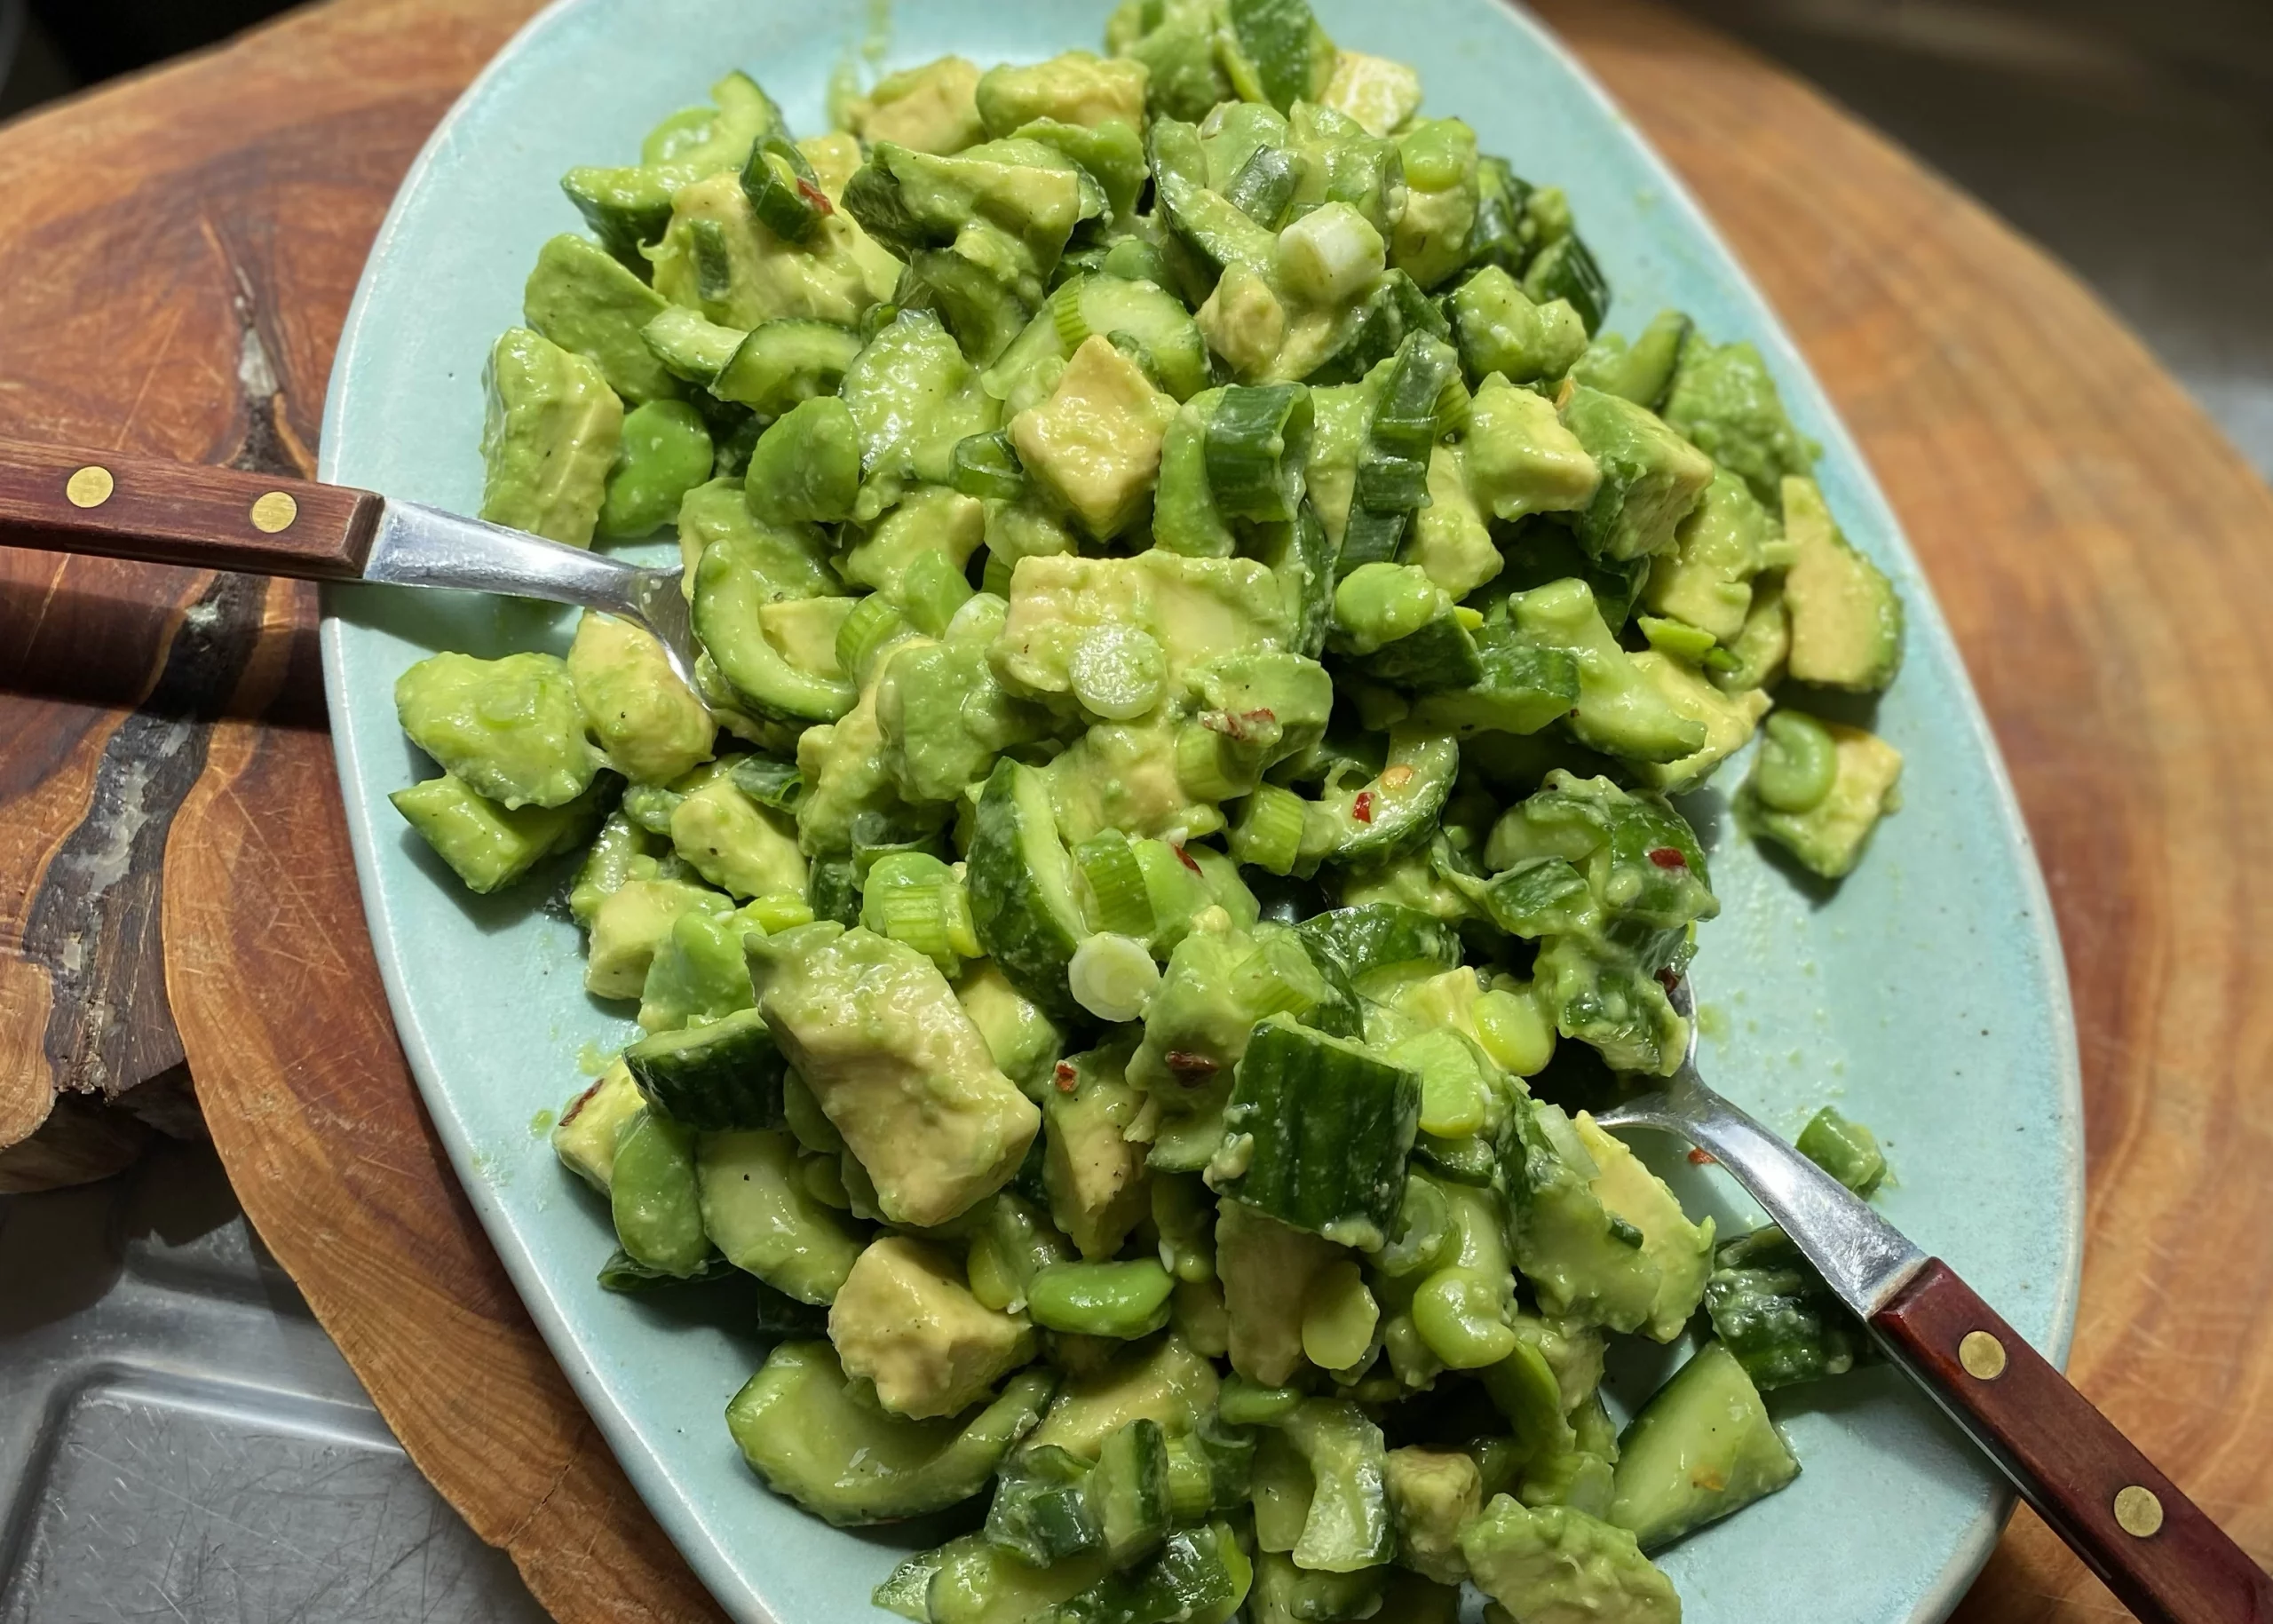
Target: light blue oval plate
(1926,995)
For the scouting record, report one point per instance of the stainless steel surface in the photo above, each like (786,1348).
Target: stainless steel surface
(1863,1257)
(418,545)
(179,1440)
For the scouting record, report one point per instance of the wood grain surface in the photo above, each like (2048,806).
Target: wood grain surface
(2099,548)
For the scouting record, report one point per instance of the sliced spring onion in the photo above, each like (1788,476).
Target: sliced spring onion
(931,591)
(1265,183)
(988,465)
(1118,672)
(784,192)
(1267,833)
(1120,903)
(873,622)
(1112,977)
(1258,443)
(1330,255)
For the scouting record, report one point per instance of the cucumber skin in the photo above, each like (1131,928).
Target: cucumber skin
(1014,921)
(1709,1414)
(1374,934)
(1331,1128)
(730,1079)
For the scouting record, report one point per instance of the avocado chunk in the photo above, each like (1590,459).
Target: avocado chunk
(509,729)
(1723,402)
(487,845)
(1449,539)
(1176,40)
(1376,93)
(1828,837)
(1846,619)
(1095,442)
(1195,610)
(1651,477)
(718,258)
(1598,1235)
(905,1319)
(1431,241)
(1519,456)
(1075,88)
(1705,581)
(585,1137)
(806,468)
(630,925)
(698,975)
(803,1432)
(652,727)
(1501,330)
(1267,1269)
(941,716)
(1024,1041)
(914,398)
(1619,710)
(1760,650)
(1728,720)
(1162,1381)
(742,847)
(582,298)
(1433,1493)
(549,437)
(1701,1448)
(1095,1175)
(874,1030)
(759,1210)
(932,109)
(929,519)
(1553,1565)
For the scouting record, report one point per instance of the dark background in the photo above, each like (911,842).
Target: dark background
(2134,140)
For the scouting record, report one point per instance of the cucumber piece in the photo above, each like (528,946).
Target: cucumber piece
(1131,1490)
(1152,316)
(1042,1511)
(1843,1148)
(1392,813)
(1772,1310)
(726,1074)
(1293,58)
(729,588)
(1702,1448)
(1565,270)
(1258,443)
(1024,902)
(977,1582)
(1199,1576)
(689,345)
(1523,687)
(628,208)
(1381,936)
(805,1434)
(652,1197)
(778,364)
(1440,656)
(1316,1133)
(623,1273)
(583,299)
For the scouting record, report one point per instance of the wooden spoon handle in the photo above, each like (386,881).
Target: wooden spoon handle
(2167,1561)
(129,507)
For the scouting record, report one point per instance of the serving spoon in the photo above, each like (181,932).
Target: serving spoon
(2167,1561)
(207,518)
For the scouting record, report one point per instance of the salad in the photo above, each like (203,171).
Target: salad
(1176,826)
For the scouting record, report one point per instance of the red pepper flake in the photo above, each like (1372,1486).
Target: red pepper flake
(1190,1068)
(1362,811)
(1666,857)
(1065,1077)
(1186,858)
(579,1103)
(1701,1158)
(1262,713)
(1667,979)
(815,197)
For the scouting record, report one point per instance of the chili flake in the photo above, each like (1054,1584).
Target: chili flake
(1362,811)
(1666,857)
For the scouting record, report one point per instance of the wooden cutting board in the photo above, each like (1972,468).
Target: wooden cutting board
(2100,551)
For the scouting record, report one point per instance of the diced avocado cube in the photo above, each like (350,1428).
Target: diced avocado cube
(1723,402)
(1760,650)
(1176,40)
(1829,837)
(1267,1269)
(1501,330)
(1728,720)
(744,849)
(1162,1381)
(510,729)
(1196,609)
(932,109)
(582,298)
(1520,458)
(1024,1041)
(1651,477)
(1554,1565)
(1619,710)
(1096,441)
(1599,1236)
(585,1137)
(1378,93)
(1846,619)
(1433,1494)
(1095,1176)
(633,920)
(1706,579)
(1701,1448)
(652,727)
(905,1319)
(1076,88)
(876,1032)
(806,468)
(549,437)
(929,520)
(1449,539)
(718,258)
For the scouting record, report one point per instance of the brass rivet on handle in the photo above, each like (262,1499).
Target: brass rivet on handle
(1982,1355)
(275,511)
(90,488)
(2137,1512)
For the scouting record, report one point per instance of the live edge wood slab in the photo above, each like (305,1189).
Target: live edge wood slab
(177,255)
